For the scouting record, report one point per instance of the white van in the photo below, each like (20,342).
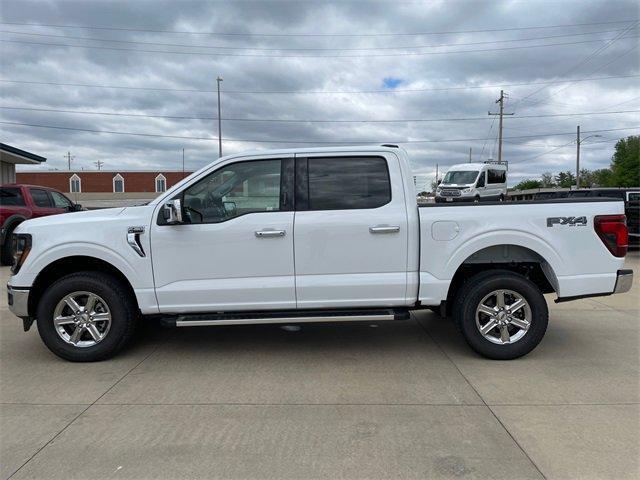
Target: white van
(473,182)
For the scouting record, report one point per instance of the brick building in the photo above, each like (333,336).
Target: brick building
(105,188)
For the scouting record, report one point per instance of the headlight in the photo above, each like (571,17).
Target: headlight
(438,190)
(466,190)
(20,246)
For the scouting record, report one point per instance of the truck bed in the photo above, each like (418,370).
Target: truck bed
(559,233)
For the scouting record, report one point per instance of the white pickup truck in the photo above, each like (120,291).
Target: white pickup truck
(293,236)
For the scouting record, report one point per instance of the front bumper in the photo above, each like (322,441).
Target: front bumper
(623,281)
(18,300)
(441,199)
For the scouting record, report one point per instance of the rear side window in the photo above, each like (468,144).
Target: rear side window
(346,183)
(497,176)
(11,197)
(40,198)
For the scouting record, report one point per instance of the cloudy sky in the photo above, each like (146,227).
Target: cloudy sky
(422,74)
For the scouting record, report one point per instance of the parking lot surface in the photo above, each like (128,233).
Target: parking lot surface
(389,400)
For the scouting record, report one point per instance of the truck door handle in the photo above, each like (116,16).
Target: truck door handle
(384,229)
(270,233)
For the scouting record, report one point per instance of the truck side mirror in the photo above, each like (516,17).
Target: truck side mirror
(173,212)
(76,207)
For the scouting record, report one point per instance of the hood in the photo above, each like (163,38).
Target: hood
(71,218)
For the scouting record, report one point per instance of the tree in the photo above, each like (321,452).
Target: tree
(565,179)
(602,178)
(625,163)
(586,178)
(528,184)
(547,179)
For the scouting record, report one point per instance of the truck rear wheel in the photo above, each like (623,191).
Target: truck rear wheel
(86,317)
(501,314)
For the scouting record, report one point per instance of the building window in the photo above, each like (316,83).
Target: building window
(161,184)
(75,184)
(118,184)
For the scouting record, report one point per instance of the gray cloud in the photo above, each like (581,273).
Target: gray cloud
(242,73)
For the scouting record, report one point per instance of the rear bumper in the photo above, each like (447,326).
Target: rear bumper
(624,281)
(18,300)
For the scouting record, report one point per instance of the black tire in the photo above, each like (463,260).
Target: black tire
(123,316)
(501,199)
(482,284)
(476,199)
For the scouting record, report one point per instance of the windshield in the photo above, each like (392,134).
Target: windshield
(461,177)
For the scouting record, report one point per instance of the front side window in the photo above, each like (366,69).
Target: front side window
(118,184)
(40,198)
(11,197)
(161,183)
(497,176)
(345,183)
(233,190)
(462,177)
(633,196)
(75,185)
(60,201)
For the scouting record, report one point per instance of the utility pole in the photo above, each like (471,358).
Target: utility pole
(501,113)
(469,154)
(436,175)
(99,164)
(578,157)
(219,79)
(183,160)
(69,157)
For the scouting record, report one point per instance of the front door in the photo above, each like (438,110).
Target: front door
(234,250)
(350,231)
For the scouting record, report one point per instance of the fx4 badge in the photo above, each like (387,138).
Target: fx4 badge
(571,221)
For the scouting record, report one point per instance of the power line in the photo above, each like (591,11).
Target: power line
(558,147)
(588,58)
(277,120)
(249,55)
(318,142)
(262,34)
(223,47)
(319,92)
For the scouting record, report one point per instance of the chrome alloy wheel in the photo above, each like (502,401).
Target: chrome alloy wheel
(503,317)
(82,319)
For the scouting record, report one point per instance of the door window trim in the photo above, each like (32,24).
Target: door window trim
(302,183)
(286,203)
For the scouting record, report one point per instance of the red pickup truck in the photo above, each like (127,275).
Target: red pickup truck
(22,202)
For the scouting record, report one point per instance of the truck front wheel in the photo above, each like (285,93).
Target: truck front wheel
(86,316)
(501,314)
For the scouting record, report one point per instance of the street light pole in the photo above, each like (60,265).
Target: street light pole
(219,79)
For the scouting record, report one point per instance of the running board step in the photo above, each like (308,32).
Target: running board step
(251,318)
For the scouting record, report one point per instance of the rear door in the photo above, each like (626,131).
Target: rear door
(350,232)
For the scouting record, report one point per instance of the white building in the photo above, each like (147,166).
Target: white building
(10,156)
